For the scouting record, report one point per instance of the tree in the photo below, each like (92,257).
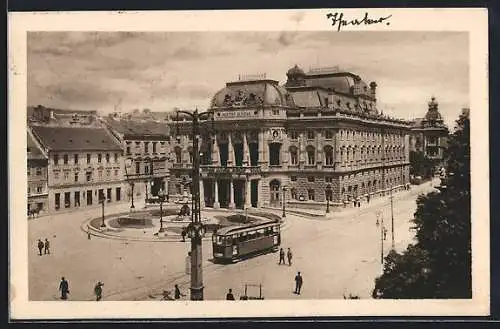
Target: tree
(438,265)
(421,165)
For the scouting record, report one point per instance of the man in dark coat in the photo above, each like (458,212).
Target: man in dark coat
(298,283)
(47,247)
(64,288)
(40,247)
(289,256)
(282,256)
(230,295)
(98,290)
(177,292)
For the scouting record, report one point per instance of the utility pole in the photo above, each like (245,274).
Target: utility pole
(392,221)
(382,228)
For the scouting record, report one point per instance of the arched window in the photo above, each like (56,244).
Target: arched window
(294,158)
(178,155)
(190,151)
(311,155)
(328,155)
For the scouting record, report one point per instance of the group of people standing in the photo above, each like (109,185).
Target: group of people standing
(45,246)
(288,256)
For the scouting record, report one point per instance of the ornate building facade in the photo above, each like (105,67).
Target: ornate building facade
(85,166)
(146,144)
(429,134)
(319,136)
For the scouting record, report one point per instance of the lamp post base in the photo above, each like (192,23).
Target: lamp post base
(197,293)
(161,230)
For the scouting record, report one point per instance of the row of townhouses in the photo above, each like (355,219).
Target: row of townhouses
(318,137)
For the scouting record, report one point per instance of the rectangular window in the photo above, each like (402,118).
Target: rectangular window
(146,169)
(310,194)
(328,134)
(29,190)
(310,134)
(76,177)
(65,159)
(116,157)
(328,179)
(146,147)
(137,167)
(67,200)
(118,194)
(57,200)
(99,158)
(77,199)
(154,147)
(56,175)
(128,150)
(276,112)
(107,157)
(100,173)
(108,173)
(88,158)
(88,176)
(66,175)
(100,194)
(116,172)
(108,194)
(178,189)
(75,158)
(294,135)
(89,197)
(310,179)
(293,178)
(56,159)
(28,171)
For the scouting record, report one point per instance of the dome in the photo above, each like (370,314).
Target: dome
(433,112)
(251,93)
(296,70)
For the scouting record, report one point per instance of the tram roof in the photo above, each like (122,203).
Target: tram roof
(236,229)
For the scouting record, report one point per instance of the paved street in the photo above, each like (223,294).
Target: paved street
(337,255)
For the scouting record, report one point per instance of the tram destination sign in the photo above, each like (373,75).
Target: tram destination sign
(236,114)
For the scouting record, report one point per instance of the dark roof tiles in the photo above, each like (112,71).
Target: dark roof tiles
(76,139)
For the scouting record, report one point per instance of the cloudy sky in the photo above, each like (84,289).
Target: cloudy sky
(107,70)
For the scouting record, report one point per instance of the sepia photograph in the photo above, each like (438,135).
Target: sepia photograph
(250,166)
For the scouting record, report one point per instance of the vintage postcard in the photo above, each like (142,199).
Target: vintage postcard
(203,164)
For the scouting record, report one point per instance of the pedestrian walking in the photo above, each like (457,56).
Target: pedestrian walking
(385,233)
(230,295)
(98,290)
(289,256)
(282,256)
(40,247)
(377,223)
(178,293)
(298,283)
(183,235)
(88,235)
(64,288)
(46,247)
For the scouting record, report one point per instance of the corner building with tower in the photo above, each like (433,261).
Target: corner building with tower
(319,136)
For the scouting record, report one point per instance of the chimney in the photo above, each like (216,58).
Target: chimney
(373,89)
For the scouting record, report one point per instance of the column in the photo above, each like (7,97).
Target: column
(248,193)
(261,146)
(216,195)
(202,194)
(231,195)
(302,158)
(230,150)
(215,152)
(246,154)
(259,193)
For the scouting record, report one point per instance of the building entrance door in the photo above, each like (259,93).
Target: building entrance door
(89,198)
(239,193)
(274,189)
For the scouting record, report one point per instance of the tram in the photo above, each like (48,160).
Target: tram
(231,244)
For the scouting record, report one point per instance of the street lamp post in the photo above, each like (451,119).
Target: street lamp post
(328,195)
(161,197)
(283,215)
(382,228)
(128,164)
(195,229)
(102,202)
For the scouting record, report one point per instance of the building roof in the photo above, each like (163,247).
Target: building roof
(75,139)
(33,149)
(138,128)
(309,98)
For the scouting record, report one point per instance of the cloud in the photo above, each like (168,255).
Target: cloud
(101,69)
